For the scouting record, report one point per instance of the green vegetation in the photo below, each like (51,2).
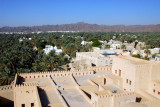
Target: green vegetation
(123,47)
(147,51)
(146,58)
(96,44)
(107,46)
(154,55)
(137,56)
(20,57)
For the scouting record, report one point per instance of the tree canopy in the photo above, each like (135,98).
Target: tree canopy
(21,56)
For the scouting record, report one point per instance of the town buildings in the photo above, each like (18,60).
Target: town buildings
(138,74)
(129,82)
(102,78)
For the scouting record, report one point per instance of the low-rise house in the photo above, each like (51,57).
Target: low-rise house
(83,43)
(154,50)
(157,57)
(115,44)
(49,48)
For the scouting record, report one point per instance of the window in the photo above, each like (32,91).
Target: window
(130,82)
(23,105)
(106,62)
(32,104)
(111,62)
(119,72)
(126,80)
(154,90)
(104,81)
(115,71)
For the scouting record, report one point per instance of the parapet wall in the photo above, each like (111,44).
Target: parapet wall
(26,85)
(117,95)
(6,88)
(100,68)
(55,74)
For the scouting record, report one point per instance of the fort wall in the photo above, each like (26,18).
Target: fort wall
(100,68)
(113,100)
(29,93)
(6,88)
(6,92)
(38,98)
(55,74)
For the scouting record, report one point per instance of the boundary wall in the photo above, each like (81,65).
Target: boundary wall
(100,68)
(55,74)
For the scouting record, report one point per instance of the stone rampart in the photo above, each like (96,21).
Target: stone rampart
(6,88)
(100,68)
(117,95)
(55,74)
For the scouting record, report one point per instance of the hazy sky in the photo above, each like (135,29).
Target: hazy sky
(109,12)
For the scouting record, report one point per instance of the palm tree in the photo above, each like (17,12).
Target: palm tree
(123,47)
(140,46)
(90,47)
(6,77)
(147,51)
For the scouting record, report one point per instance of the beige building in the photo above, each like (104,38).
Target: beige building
(138,74)
(95,87)
(94,58)
(115,46)
(129,82)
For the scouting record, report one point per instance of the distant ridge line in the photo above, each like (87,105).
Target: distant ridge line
(84,27)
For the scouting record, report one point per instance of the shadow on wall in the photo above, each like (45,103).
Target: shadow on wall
(43,97)
(20,80)
(5,102)
(88,95)
(93,65)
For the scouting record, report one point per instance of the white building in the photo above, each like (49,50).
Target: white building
(114,44)
(49,48)
(97,57)
(83,42)
(57,50)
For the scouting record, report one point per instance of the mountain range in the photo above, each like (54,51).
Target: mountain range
(84,27)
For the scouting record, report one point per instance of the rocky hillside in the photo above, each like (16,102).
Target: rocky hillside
(84,27)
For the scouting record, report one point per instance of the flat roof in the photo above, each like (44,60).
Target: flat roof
(74,98)
(134,60)
(103,92)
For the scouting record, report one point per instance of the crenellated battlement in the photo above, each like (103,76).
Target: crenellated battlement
(26,85)
(117,95)
(55,74)
(6,88)
(100,68)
